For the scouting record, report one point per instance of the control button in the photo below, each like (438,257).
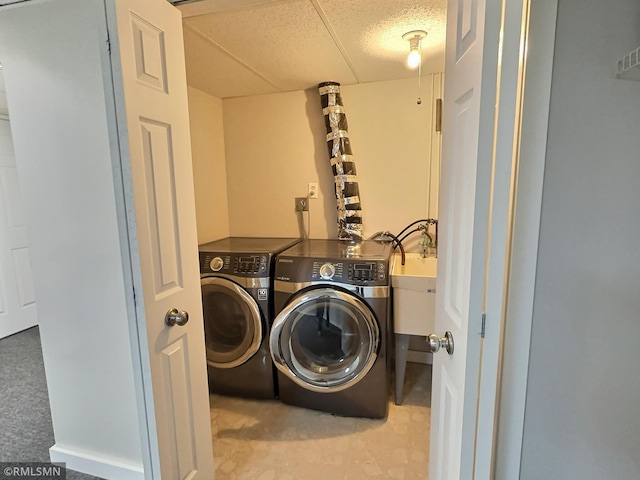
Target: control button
(216,264)
(327,271)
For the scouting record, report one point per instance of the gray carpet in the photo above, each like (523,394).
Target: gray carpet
(26,432)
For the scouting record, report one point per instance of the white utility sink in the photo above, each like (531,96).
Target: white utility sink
(414,300)
(414,288)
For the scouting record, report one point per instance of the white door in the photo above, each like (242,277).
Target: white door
(467,136)
(17,299)
(153,132)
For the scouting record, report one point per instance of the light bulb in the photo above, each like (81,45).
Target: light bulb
(414,58)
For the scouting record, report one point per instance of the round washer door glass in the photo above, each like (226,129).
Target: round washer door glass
(325,340)
(232,323)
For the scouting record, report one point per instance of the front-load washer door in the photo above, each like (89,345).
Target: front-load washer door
(325,340)
(232,323)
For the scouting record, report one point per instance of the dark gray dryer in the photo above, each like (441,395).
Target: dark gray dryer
(330,335)
(236,277)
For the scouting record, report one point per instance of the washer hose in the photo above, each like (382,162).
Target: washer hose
(398,243)
(411,225)
(424,231)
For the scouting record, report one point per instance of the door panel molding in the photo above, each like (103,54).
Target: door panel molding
(163,223)
(149,52)
(178,373)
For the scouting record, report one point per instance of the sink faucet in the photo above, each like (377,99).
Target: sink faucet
(427,241)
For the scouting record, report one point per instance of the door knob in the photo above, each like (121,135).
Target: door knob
(176,317)
(435,342)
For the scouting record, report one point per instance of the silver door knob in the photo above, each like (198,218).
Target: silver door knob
(435,342)
(176,317)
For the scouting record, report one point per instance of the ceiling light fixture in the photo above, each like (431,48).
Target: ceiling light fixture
(414,37)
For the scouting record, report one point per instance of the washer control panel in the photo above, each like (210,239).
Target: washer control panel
(367,271)
(327,271)
(354,272)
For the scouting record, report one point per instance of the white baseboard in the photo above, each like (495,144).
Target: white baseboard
(106,468)
(417,356)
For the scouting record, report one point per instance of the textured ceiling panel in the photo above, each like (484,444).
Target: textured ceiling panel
(285,42)
(371,31)
(202,7)
(214,72)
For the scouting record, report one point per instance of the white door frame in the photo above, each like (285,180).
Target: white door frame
(523,83)
(172,379)
(518,139)
(510,397)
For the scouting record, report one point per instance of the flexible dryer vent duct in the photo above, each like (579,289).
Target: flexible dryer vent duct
(342,163)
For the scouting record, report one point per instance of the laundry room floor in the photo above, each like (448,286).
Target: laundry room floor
(267,440)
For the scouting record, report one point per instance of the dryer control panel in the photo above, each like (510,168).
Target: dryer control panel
(237,264)
(250,264)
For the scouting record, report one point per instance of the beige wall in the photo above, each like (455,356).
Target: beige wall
(275,145)
(209,169)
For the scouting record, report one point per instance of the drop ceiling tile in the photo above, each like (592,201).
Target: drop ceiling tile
(212,71)
(371,31)
(202,7)
(285,42)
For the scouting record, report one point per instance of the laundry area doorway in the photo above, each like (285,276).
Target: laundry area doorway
(253,126)
(147,432)
(274,144)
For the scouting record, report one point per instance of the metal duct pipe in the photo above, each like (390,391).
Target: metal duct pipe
(342,163)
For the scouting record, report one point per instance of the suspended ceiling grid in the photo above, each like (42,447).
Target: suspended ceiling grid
(250,47)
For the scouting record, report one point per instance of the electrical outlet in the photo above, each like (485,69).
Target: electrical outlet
(302,205)
(313,190)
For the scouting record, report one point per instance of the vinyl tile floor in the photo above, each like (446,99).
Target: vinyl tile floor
(268,440)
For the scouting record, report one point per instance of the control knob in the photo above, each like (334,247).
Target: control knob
(216,264)
(327,271)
